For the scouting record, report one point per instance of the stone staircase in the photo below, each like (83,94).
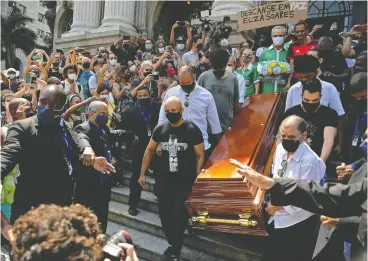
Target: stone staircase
(149,238)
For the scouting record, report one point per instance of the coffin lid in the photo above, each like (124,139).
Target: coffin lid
(242,141)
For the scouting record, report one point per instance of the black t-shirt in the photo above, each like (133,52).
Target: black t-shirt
(178,155)
(334,62)
(316,123)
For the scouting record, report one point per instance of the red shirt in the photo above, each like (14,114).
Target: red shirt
(297,49)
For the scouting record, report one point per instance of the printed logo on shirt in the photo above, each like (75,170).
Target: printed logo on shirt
(311,130)
(173,147)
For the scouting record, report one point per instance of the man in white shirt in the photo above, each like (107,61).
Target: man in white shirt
(231,66)
(307,68)
(198,103)
(293,231)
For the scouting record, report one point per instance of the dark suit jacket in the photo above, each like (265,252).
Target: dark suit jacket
(333,201)
(348,226)
(98,141)
(41,154)
(133,120)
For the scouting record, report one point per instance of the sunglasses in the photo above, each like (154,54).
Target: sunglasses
(186,103)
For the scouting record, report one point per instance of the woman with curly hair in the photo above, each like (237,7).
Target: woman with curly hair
(54,233)
(122,88)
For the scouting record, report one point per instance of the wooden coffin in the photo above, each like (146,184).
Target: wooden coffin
(221,200)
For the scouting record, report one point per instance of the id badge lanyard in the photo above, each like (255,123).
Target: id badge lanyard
(146,114)
(359,122)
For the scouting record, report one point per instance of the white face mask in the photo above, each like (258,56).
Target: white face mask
(80,66)
(229,69)
(132,68)
(11,76)
(7,105)
(104,96)
(277,41)
(72,76)
(161,50)
(113,62)
(180,47)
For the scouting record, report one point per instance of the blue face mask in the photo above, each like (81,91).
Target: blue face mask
(49,117)
(101,120)
(364,148)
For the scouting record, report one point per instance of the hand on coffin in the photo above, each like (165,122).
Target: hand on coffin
(253,176)
(272,209)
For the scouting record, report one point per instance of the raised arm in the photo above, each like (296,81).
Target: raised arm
(189,34)
(172,34)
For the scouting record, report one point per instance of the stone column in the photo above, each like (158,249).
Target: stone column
(86,15)
(223,7)
(119,13)
(140,16)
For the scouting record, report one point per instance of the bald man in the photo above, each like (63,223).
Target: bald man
(181,161)
(47,151)
(198,104)
(93,188)
(231,66)
(293,231)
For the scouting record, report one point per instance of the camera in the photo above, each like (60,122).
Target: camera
(181,23)
(155,76)
(111,249)
(217,30)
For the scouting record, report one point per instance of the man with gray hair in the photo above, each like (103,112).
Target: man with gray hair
(92,188)
(292,230)
(275,53)
(334,68)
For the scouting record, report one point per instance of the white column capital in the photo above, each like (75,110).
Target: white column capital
(119,14)
(86,15)
(224,7)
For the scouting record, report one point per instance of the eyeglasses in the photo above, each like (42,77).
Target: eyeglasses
(186,103)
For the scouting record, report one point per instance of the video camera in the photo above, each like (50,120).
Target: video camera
(220,30)
(111,249)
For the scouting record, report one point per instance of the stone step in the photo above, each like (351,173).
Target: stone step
(148,199)
(228,246)
(150,181)
(150,247)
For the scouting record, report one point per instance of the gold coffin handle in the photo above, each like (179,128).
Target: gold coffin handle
(243,220)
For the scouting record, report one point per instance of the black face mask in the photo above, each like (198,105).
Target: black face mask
(146,74)
(144,102)
(290,145)
(205,67)
(126,46)
(310,107)
(219,73)
(86,65)
(127,76)
(173,117)
(199,46)
(188,88)
(55,64)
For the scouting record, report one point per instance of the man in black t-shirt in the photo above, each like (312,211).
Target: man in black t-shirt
(181,160)
(321,121)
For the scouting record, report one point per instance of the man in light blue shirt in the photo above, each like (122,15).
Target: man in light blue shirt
(198,103)
(307,68)
(190,57)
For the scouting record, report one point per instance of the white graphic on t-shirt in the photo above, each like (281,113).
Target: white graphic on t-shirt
(173,146)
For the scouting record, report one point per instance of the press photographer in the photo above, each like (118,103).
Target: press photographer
(54,233)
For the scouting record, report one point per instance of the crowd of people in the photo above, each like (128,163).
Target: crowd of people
(70,120)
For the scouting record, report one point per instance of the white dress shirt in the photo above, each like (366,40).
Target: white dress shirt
(241,82)
(303,164)
(201,109)
(329,97)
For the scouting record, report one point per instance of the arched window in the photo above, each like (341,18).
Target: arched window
(67,24)
(321,9)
